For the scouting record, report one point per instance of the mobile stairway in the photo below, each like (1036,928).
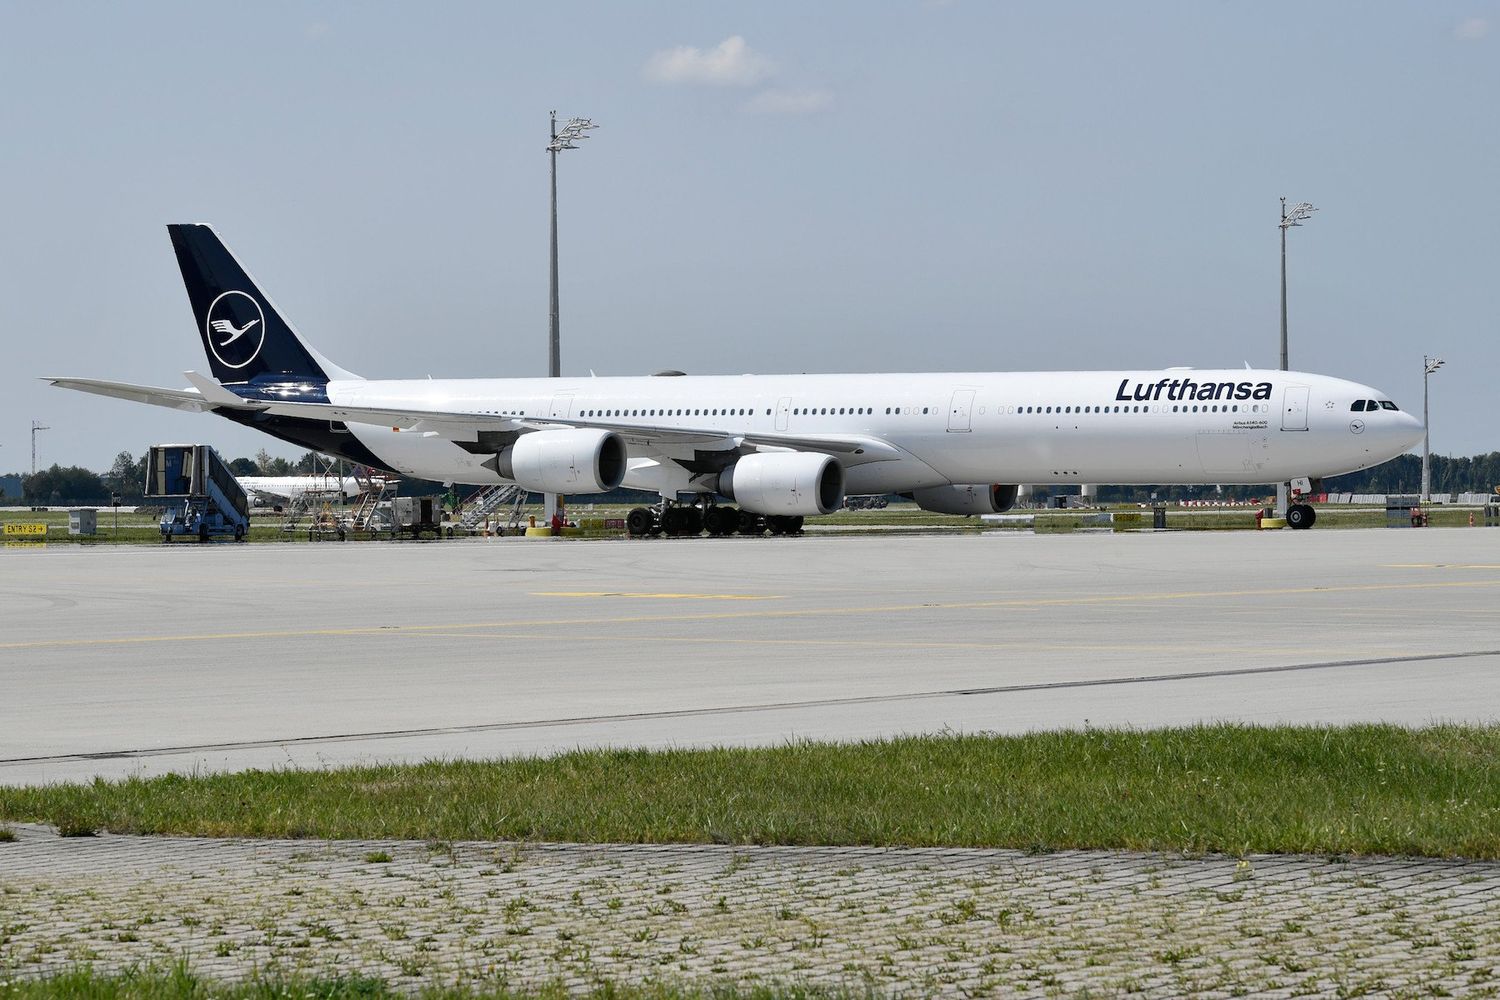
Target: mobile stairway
(201,496)
(492,501)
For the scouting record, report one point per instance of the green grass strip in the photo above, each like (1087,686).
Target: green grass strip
(1234,789)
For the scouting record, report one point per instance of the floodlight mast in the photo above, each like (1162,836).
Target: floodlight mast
(1429,366)
(34,428)
(1299,213)
(568,137)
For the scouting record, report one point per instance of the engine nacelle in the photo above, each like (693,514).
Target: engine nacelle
(788,483)
(583,460)
(966,498)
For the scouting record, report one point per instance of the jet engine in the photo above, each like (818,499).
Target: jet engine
(966,498)
(790,483)
(583,460)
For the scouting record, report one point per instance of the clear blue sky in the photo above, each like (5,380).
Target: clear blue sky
(775,187)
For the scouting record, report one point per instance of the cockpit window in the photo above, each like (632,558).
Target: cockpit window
(1386,404)
(1358,406)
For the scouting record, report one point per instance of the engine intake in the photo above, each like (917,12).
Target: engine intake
(583,460)
(785,483)
(967,498)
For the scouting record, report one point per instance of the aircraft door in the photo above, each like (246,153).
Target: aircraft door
(783,411)
(960,411)
(1294,408)
(562,405)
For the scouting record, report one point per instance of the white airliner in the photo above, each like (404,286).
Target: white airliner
(780,447)
(264,490)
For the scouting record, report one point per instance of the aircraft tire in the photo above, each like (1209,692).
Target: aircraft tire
(639,522)
(721,521)
(780,524)
(1300,516)
(750,523)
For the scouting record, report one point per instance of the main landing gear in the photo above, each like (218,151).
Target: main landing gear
(1301,515)
(687,520)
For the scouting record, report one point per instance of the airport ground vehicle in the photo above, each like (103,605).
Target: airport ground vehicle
(203,499)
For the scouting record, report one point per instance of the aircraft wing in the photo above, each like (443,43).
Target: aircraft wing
(648,441)
(455,426)
(850,449)
(177,399)
(642,441)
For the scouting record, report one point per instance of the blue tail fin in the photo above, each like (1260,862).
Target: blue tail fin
(244,334)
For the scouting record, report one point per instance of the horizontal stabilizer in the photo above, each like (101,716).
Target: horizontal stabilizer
(178,399)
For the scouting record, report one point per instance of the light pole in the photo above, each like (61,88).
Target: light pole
(1429,365)
(1299,213)
(568,137)
(34,428)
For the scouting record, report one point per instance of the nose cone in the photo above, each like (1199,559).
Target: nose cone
(1408,432)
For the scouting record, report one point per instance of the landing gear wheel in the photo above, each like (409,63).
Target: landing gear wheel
(239,533)
(1300,516)
(781,524)
(681,522)
(639,522)
(751,523)
(721,521)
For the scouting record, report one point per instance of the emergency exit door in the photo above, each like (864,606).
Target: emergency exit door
(960,411)
(1294,408)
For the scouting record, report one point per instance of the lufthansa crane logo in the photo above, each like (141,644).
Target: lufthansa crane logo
(235,329)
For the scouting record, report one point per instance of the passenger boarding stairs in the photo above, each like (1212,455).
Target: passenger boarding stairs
(492,500)
(203,497)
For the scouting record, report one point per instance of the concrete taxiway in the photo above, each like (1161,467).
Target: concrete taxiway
(139,660)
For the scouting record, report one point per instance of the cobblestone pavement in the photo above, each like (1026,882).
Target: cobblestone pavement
(907,922)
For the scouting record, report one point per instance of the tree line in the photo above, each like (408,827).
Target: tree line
(127,477)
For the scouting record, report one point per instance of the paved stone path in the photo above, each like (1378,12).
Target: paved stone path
(911,922)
